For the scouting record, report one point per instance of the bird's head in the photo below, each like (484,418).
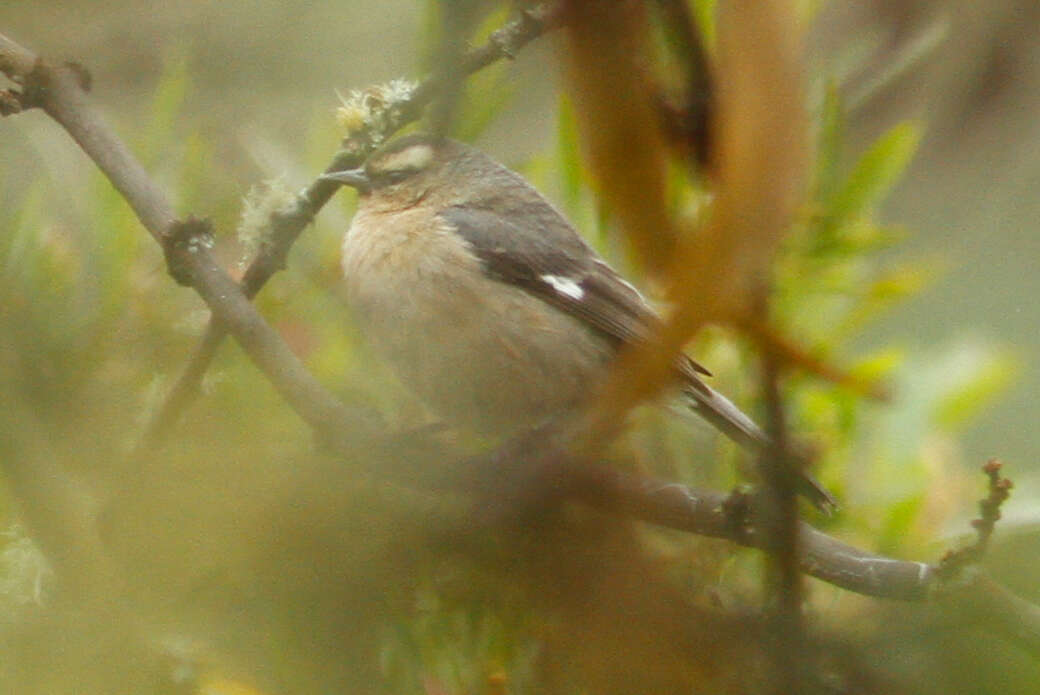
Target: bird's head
(406,170)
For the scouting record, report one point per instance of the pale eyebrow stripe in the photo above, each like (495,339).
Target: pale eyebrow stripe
(414,157)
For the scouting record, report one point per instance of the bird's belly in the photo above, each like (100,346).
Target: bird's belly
(480,353)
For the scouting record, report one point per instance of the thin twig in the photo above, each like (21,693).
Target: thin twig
(791,354)
(780,527)
(955,562)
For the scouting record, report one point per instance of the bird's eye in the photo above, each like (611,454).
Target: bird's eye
(390,177)
(397,175)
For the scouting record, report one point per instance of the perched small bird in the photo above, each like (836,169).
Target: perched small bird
(485,300)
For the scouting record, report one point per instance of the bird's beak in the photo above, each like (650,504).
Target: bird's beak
(355,178)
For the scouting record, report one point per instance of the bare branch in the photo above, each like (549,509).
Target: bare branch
(716,515)
(15,61)
(58,90)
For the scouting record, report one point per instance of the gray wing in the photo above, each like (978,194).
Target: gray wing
(548,259)
(545,257)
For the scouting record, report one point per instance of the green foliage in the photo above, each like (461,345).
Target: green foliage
(485,94)
(704,15)
(568,155)
(456,647)
(838,276)
(489,91)
(167,107)
(979,372)
(874,175)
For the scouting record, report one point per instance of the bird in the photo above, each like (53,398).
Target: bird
(488,304)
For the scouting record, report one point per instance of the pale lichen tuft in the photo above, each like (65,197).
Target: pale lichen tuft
(374,108)
(264,200)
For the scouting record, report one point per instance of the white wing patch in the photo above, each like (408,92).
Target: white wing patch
(568,287)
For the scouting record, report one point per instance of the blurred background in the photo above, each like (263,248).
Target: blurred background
(935,292)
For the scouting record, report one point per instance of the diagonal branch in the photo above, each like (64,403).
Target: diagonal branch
(58,90)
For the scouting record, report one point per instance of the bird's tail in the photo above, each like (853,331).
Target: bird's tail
(732,422)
